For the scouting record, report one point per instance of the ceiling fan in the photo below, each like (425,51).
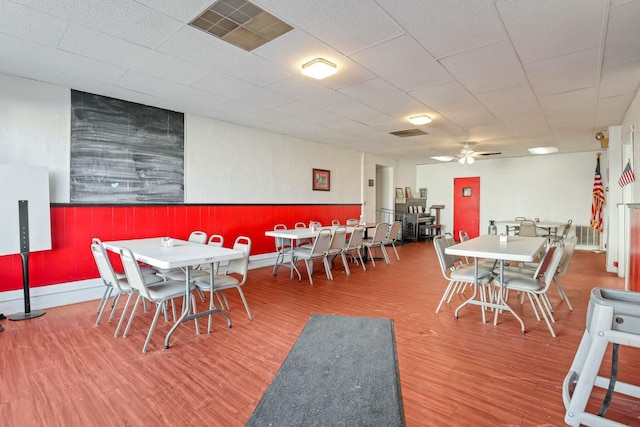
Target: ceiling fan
(467,155)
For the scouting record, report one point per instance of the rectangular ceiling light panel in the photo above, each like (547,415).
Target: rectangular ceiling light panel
(240,23)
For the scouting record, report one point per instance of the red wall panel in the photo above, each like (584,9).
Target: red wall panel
(73,227)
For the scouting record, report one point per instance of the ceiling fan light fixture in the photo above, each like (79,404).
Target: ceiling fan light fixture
(543,150)
(319,68)
(422,119)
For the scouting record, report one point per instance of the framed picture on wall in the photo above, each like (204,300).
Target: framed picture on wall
(423,193)
(408,193)
(321,180)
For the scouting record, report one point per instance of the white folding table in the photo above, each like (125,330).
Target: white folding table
(516,248)
(295,234)
(182,254)
(546,225)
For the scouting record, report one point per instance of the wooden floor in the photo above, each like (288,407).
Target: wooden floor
(62,370)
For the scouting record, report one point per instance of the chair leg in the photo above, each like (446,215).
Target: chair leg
(114,305)
(561,291)
(393,244)
(327,267)
(544,315)
(122,316)
(195,311)
(346,264)
(384,254)
(103,303)
(244,301)
(307,261)
(133,313)
(364,268)
(445,294)
(373,261)
(152,327)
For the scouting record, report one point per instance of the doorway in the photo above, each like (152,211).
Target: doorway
(466,206)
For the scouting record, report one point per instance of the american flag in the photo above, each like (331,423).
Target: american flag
(598,200)
(627,175)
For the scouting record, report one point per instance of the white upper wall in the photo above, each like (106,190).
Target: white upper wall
(551,187)
(224,163)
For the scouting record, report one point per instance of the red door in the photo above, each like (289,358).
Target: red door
(466,206)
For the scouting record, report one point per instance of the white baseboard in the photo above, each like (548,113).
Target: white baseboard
(44,297)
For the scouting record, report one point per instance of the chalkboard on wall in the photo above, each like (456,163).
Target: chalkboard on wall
(125,153)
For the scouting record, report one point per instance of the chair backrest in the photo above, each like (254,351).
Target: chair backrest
(554,255)
(394,231)
(300,225)
(567,228)
(440,243)
(569,247)
(315,224)
(279,241)
(380,233)
(356,237)
(134,275)
(240,265)
(198,237)
(335,222)
(321,242)
(216,240)
(338,239)
(464,235)
(352,222)
(528,228)
(105,268)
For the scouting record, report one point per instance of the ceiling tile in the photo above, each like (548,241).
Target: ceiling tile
(380,95)
(487,68)
(564,73)
(623,33)
(448,27)
(403,63)
(542,29)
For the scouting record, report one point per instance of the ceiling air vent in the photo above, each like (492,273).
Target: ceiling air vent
(241,23)
(408,132)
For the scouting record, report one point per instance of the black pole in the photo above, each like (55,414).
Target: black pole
(23,215)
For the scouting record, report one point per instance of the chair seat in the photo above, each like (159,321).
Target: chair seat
(522,283)
(220,281)
(182,275)
(467,274)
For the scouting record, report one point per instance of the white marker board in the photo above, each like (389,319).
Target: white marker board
(29,183)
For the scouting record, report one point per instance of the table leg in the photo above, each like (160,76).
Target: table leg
(185,316)
(475,292)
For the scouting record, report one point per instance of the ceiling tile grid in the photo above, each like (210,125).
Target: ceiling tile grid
(505,73)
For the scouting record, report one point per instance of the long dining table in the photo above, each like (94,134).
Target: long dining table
(295,235)
(516,248)
(180,254)
(551,227)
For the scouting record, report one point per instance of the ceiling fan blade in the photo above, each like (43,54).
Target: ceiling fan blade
(486,153)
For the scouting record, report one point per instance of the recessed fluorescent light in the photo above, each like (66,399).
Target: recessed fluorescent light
(319,68)
(422,119)
(543,150)
(443,158)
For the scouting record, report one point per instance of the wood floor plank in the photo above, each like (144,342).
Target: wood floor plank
(61,369)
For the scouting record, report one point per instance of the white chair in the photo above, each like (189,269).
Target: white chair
(569,248)
(194,237)
(528,228)
(196,270)
(377,241)
(392,237)
(308,253)
(234,276)
(459,274)
(114,282)
(158,293)
(536,285)
(335,222)
(302,242)
(337,247)
(354,246)
(352,222)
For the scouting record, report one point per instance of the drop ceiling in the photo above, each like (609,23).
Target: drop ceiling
(506,75)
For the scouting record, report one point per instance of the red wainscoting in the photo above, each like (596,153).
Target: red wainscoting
(73,227)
